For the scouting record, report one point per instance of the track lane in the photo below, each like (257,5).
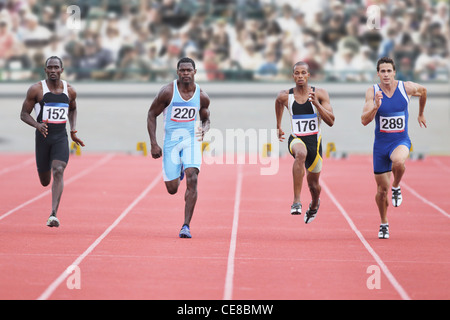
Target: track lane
(143,258)
(416,253)
(277,256)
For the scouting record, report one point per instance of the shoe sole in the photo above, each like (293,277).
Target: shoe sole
(185,236)
(53,224)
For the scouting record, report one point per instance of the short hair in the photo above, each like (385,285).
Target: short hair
(186,60)
(385,60)
(54,57)
(300,63)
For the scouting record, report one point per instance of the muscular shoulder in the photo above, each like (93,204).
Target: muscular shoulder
(369,93)
(283,96)
(35,91)
(165,93)
(414,89)
(204,99)
(35,87)
(72,91)
(322,93)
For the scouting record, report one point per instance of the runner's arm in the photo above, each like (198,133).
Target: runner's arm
(370,108)
(417,90)
(73,116)
(204,115)
(157,107)
(323,105)
(27,108)
(280,102)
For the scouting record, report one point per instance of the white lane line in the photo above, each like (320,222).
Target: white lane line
(228,292)
(431,204)
(17,166)
(54,285)
(372,252)
(69,181)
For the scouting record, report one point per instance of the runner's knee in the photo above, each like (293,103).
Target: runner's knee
(58,170)
(45,178)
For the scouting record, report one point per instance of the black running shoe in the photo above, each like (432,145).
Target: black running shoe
(384,232)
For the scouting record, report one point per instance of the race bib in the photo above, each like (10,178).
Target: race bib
(183,113)
(393,123)
(54,112)
(305,124)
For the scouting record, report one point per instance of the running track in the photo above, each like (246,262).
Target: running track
(119,228)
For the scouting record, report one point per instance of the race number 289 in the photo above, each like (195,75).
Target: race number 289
(392,124)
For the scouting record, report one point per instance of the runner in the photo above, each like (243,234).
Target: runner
(388,104)
(307,107)
(54,102)
(182,103)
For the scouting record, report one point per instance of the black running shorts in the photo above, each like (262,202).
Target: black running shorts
(52,147)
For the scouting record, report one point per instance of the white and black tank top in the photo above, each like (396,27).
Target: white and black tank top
(53,108)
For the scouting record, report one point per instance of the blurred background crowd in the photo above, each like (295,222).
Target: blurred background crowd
(141,40)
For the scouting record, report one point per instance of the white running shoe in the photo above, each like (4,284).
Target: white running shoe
(310,214)
(396,197)
(296,208)
(53,222)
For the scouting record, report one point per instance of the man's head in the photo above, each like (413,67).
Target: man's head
(186,70)
(300,73)
(54,68)
(386,70)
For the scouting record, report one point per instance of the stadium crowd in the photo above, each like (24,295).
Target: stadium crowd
(142,40)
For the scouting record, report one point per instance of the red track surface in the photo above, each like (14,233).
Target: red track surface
(120,227)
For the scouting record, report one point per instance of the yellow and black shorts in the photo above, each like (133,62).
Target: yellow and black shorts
(313,144)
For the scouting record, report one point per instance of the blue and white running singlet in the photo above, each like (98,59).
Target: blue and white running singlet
(391,127)
(181,146)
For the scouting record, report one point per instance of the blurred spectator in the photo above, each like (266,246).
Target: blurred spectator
(48,18)
(365,65)
(6,41)
(437,40)
(34,35)
(211,63)
(18,65)
(312,58)
(112,40)
(430,66)
(287,22)
(405,70)
(132,66)
(387,45)
(345,66)
(333,32)
(55,47)
(250,58)
(94,63)
(233,39)
(268,70)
